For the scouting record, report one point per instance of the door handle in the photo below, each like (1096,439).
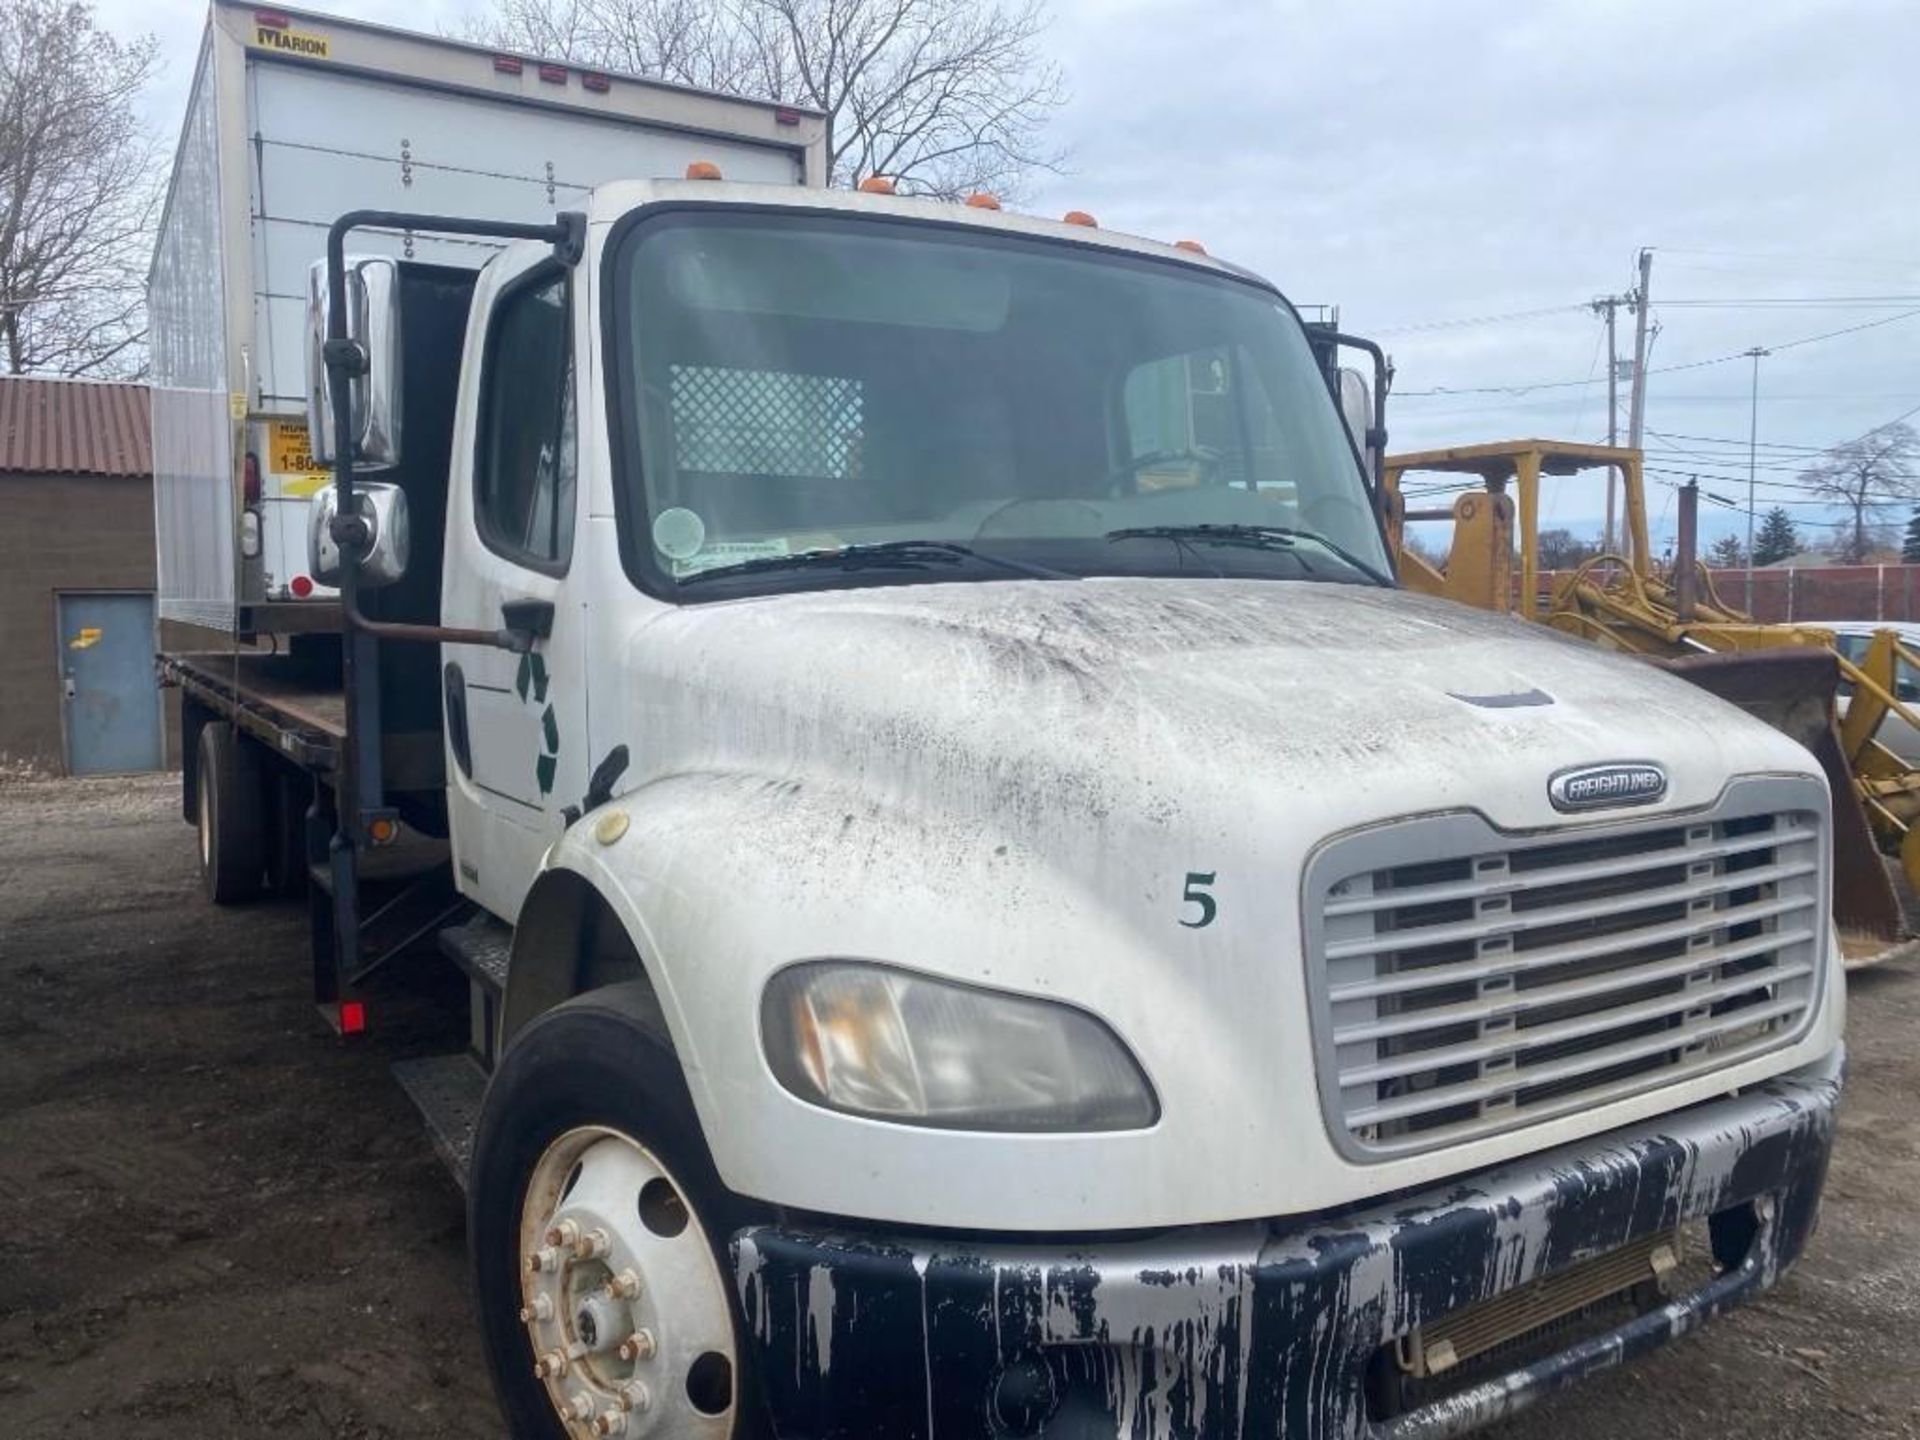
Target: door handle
(530,618)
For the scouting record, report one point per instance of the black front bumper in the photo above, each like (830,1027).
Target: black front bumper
(1268,1329)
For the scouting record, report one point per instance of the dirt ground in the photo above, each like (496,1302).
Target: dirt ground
(216,1219)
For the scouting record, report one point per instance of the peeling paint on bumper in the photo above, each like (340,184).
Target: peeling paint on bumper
(1266,1329)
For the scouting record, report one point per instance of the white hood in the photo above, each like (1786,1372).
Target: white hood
(1101,697)
(1014,784)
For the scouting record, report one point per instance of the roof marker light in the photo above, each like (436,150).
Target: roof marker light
(507,65)
(703,170)
(593,80)
(876,185)
(981,200)
(786,115)
(554,74)
(1194,246)
(271,19)
(1079,217)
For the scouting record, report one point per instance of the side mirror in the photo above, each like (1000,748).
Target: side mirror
(1356,408)
(383,510)
(373,323)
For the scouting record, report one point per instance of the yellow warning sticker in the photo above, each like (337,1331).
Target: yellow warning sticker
(237,406)
(291,462)
(86,639)
(289,42)
(287,450)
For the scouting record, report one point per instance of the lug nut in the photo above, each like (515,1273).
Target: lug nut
(635,1395)
(592,1245)
(565,1234)
(540,1309)
(624,1286)
(610,1422)
(638,1346)
(579,1407)
(544,1261)
(551,1365)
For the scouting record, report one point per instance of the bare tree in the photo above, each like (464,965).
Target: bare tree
(943,97)
(1866,476)
(78,192)
(1563,550)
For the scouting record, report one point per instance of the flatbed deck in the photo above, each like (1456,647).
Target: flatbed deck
(276,698)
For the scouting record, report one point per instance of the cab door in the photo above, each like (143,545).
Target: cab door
(516,724)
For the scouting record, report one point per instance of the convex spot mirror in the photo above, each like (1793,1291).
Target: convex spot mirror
(373,323)
(1356,408)
(383,509)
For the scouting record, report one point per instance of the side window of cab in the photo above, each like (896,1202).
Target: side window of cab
(524,472)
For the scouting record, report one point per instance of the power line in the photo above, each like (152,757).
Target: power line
(1467,320)
(1662,369)
(1814,301)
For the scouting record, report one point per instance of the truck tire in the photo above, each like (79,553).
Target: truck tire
(589,1168)
(230,814)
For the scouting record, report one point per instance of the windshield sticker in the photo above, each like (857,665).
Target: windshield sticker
(730,552)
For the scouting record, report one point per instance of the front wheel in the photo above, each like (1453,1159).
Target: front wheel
(598,1225)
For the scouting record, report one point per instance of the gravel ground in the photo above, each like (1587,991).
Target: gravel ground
(216,1219)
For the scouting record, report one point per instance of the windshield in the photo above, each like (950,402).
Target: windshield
(807,401)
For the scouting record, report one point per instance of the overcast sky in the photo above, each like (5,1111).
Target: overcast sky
(1424,166)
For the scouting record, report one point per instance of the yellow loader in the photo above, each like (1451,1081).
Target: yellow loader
(1787,675)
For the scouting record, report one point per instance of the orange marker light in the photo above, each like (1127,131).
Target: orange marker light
(1080,217)
(383,831)
(877,185)
(1194,245)
(703,170)
(981,200)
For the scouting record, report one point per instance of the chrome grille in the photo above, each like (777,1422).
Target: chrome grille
(1467,981)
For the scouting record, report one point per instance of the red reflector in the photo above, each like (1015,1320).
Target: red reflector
(596,82)
(272,19)
(786,115)
(506,65)
(301,587)
(353,1017)
(250,480)
(554,74)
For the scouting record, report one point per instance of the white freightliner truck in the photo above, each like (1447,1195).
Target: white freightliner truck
(988,913)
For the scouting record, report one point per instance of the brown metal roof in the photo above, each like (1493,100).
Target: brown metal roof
(74,427)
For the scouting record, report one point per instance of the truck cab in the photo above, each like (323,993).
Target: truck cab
(1016,925)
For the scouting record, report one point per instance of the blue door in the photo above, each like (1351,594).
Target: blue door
(110,704)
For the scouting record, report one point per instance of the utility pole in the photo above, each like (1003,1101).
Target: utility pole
(1606,305)
(1637,414)
(1756,354)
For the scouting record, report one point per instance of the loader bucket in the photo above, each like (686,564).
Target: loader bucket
(1792,689)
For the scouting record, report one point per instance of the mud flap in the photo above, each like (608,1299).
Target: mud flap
(1793,691)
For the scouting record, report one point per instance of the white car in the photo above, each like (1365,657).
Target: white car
(1895,733)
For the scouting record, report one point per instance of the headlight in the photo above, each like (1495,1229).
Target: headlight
(896,1046)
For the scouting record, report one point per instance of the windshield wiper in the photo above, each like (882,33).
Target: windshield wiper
(1254,537)
(886,555)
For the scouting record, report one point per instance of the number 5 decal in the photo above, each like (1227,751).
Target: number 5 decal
(1196,894)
